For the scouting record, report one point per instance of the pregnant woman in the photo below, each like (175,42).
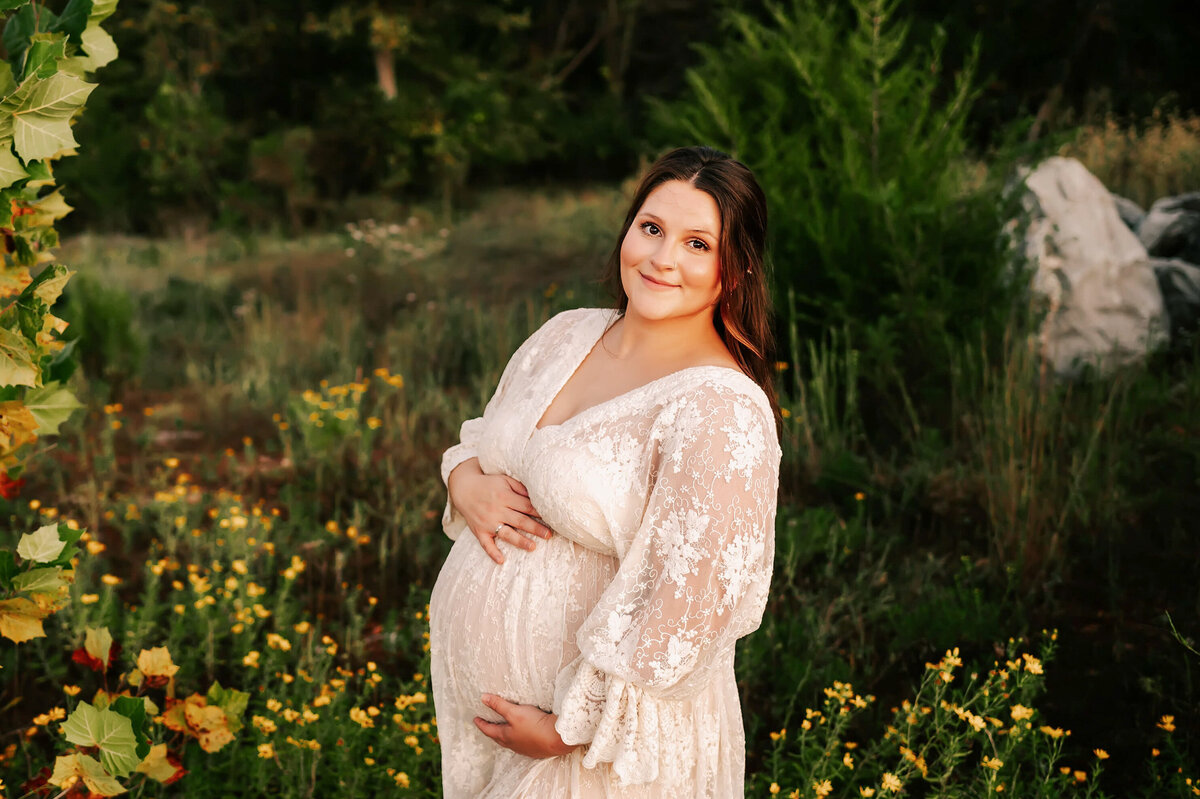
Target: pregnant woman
(613,518)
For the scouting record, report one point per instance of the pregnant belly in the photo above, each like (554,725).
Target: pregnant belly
(509,628)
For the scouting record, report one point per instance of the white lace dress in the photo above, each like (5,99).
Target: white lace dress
(623,623)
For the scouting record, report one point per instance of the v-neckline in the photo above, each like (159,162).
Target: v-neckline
(624,394)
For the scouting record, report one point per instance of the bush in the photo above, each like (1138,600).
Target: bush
(858,140)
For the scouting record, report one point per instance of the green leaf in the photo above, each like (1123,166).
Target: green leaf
(8,569)
(45,51)
(49,283)
(232,701)
(68,537)
(74,18)
(18,30)
(99,46)
(46,580)
(134,709)
(51,405)
(102,10)
(9,5)
(89,771)
(11,169)
(7,81)
(108,730)
(38,114)
(41,546)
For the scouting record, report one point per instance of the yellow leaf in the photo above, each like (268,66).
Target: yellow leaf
(156,766)
(17,425)
(20,620)
(156,662)
(70,768)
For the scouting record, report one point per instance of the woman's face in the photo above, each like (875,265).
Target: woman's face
(669,264)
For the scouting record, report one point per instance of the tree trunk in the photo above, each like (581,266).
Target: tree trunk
(385,71)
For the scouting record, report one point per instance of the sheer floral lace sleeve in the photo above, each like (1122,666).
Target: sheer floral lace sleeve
(693,580)
(471,430)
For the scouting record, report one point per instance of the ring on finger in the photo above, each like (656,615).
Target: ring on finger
(499,526)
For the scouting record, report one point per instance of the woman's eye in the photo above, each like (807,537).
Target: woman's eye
(703,246)
(650,227)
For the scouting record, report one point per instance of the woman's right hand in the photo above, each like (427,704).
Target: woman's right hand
(488,500)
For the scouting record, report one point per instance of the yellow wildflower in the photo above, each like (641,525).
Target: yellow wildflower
(266,751)
(822,789)
(891,782)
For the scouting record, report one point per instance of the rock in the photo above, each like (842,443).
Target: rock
(1130,212)
(1105,306)
(1179,282)
(1171,228)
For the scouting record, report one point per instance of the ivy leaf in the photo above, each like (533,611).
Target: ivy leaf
(68,537)
(108,730)
(38,114)
(232,701)
(11,169)
(47,580)
(21,620)
(87,769)
(41,546)
(51,405)
(16,365)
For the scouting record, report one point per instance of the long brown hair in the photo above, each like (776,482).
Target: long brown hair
(744,310)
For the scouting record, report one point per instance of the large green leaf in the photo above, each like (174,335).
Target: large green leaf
(74,18)
(7,81)
(16,365)
(108,730)
(42,545)
(51,405)
(134,709)
(8,569)
(11,169)
(21,27)
(38,114)
(9,5)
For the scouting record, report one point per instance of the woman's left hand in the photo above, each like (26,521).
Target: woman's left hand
(527,729)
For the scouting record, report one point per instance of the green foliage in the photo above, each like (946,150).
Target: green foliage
(42,90)
(858,139)
(103,326)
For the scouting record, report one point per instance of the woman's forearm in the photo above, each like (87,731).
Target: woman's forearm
(468,467)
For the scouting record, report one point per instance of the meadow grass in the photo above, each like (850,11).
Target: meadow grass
(261,498)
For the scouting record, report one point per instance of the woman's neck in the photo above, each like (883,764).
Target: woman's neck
(636,338)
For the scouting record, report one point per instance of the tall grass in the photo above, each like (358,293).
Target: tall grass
(1145,160)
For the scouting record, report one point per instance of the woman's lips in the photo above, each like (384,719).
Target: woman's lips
(656,283)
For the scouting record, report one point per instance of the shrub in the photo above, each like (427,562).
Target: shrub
(858,139)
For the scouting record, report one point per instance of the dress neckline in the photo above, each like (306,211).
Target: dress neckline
(605,317)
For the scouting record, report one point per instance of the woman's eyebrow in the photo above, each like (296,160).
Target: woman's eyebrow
(659,221)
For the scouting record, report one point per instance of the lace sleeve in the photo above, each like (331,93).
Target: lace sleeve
(693,581)
(472,430)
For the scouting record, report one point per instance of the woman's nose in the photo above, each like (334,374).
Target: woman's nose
(663,256)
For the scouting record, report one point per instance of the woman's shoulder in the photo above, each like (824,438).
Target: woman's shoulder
(558,331)
(721,395)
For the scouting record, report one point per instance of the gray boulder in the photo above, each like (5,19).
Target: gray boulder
(1180,285)
(1104,303)
(1130,212)
(1171,228)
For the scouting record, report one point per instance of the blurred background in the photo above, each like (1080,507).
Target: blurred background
(308,235)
